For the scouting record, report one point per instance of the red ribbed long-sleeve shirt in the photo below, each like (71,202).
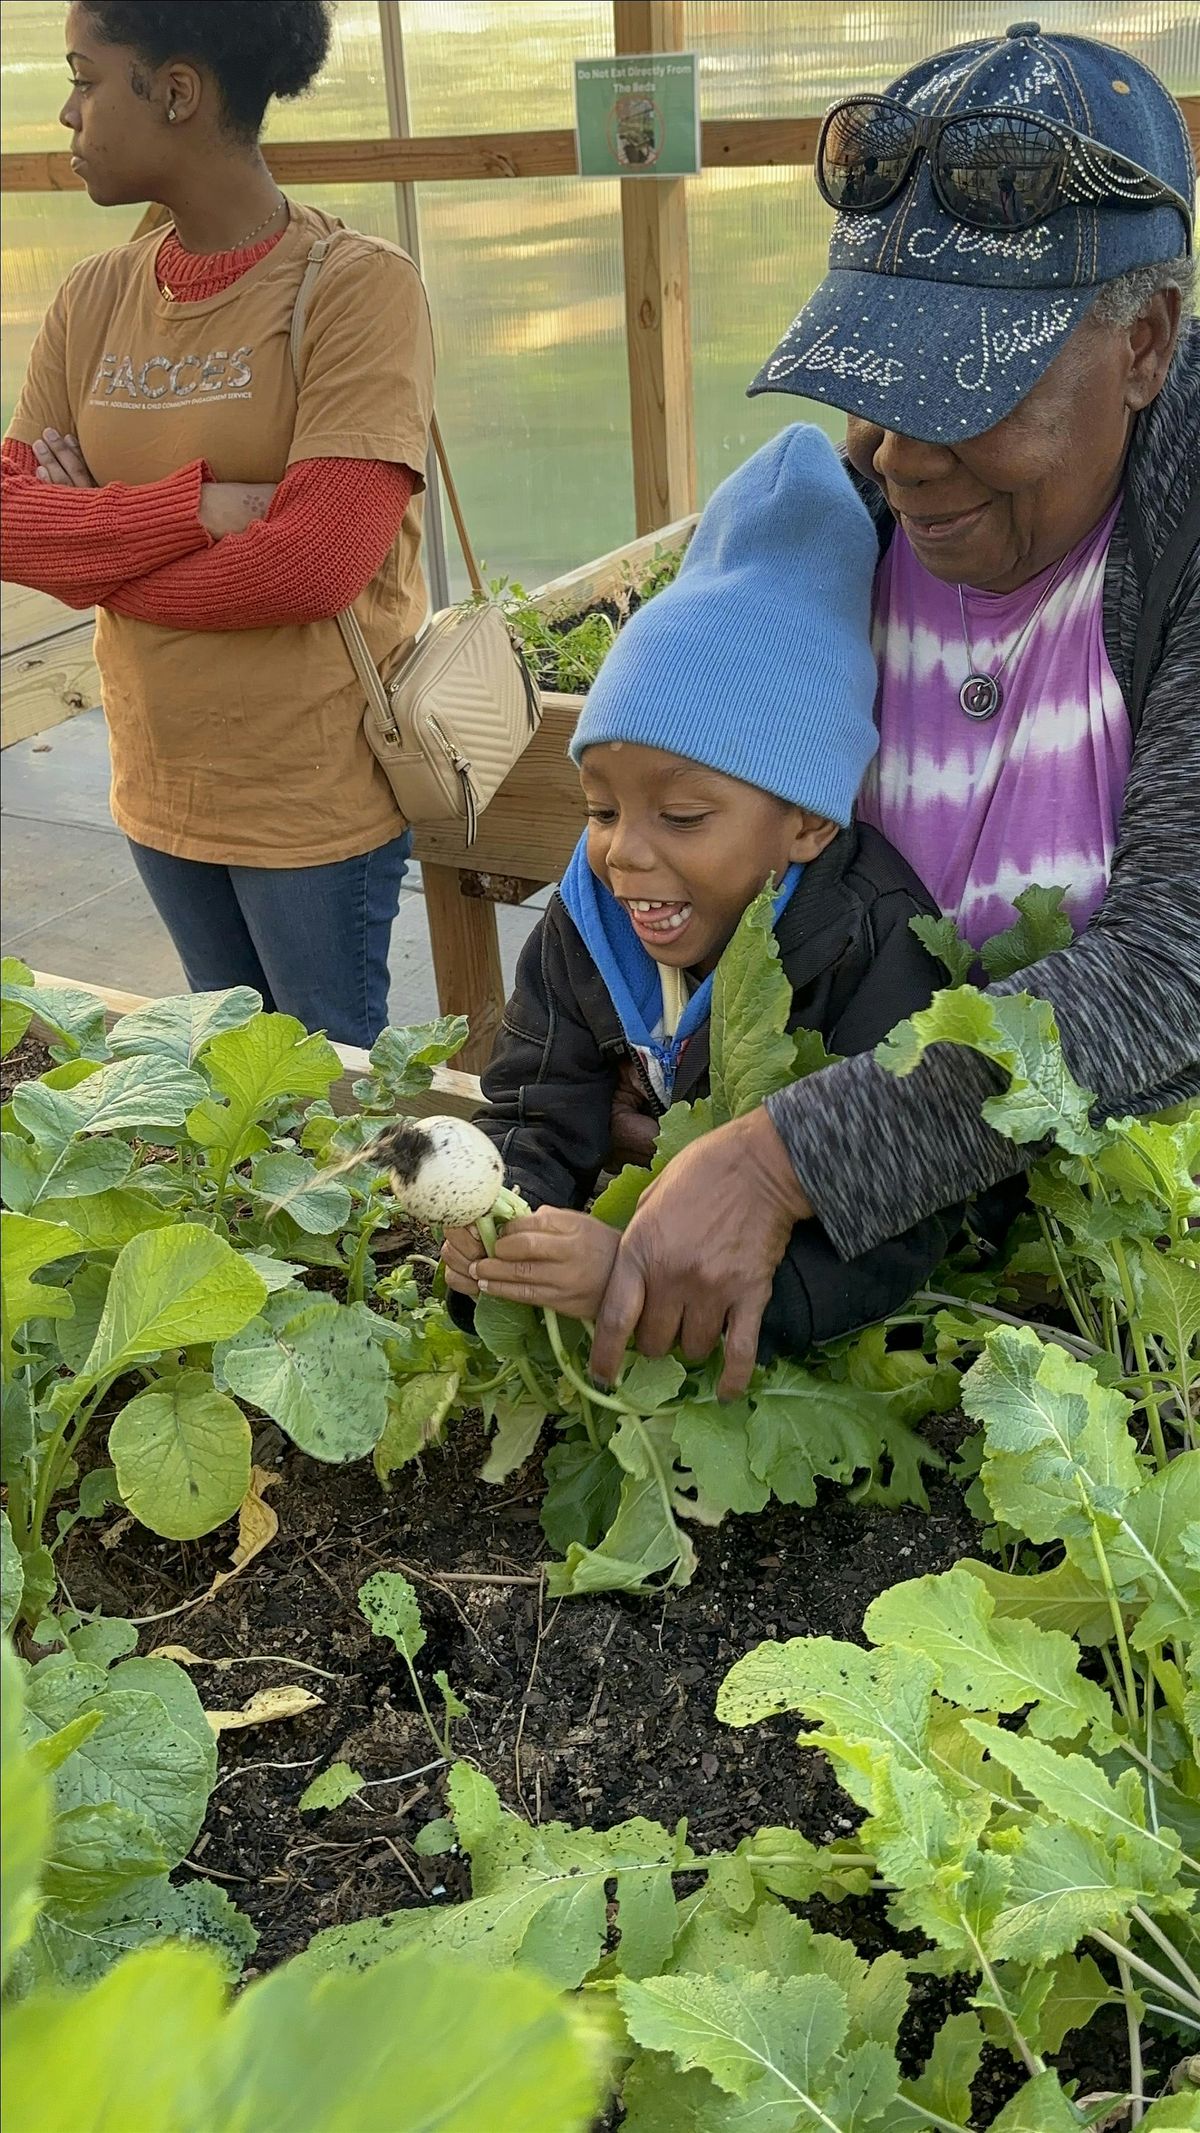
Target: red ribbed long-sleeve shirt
(143,551)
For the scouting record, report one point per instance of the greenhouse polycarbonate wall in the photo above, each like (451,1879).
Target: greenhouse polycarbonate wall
(525,277)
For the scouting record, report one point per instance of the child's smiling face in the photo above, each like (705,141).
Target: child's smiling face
(686,849)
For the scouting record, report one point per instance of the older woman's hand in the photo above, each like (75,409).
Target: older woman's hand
(699,1257)
(555,1257)
(61,462)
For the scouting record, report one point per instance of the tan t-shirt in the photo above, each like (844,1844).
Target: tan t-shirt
(245,746)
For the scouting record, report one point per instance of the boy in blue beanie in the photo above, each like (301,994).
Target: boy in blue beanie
(721,749)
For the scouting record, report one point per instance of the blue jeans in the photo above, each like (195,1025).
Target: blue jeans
(312,940)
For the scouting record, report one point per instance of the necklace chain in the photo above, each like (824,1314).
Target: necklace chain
(981,695)
(171,294)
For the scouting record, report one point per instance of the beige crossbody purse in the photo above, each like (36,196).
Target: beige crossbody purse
(462,706)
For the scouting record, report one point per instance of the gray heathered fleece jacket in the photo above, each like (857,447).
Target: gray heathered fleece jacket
(875,1153)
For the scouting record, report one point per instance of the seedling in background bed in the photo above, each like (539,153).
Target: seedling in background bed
(391,1608)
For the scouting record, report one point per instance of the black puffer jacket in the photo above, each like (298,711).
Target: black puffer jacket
(855,970)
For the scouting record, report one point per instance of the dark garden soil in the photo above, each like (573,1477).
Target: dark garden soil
(585,1710)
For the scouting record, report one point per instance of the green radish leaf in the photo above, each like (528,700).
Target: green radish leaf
(519,1424)
(804,1427)
(1058,1445)
(402,1060)
(251,1069)
(873,1701)
(319,1205)
(317,1370)
(1040,2107)
(1074,1789)
(139,1758)
(714,1442)
(1064,1883)
(182,1455)
(28,1244)
(72,1171)
(774,2039)
(1048,2001)
(74,1016)
(453,1703)
(172,1289)
(12,1575)
(107,1221)
(416,1410)
(106,1637)
(331,1787)
(435,1839)
(986,1664)
(944,2087)
(1064,1598)
(25,1812)
(942,939)
(179,1028)
(539,1898)
(650,1382)
(642,1541)
(683,1124)
(750,1052)
(97,1851)
(15,1012)
(1042,928)
(1169,1305)
(583,1489)
(130,1095)
(389,1604)
(511,1332)
(1018,1034)
(618,1202)
(1151,1551)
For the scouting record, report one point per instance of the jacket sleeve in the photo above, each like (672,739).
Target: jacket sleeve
(874,1152)
(548,1087)
(819,1294)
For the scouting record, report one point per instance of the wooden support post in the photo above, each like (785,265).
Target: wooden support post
(466,959)
(658,327)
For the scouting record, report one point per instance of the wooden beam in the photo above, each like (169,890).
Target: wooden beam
(728,144)
(658,314)
(732,143)
(450,1090)
(466,962)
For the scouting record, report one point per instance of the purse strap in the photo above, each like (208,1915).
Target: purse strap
(316,260)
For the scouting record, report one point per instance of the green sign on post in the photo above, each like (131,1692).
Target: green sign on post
(638,117)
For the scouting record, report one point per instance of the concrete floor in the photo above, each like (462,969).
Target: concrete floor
(73,905)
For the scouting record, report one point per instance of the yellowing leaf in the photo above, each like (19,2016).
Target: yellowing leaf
(265,1707)
(257,1525)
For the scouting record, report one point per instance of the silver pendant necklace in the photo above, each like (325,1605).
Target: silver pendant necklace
(981,695)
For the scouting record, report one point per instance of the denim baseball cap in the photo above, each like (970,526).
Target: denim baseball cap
(929,326)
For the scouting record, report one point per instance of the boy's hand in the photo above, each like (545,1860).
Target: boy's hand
(554,1257)
(633,1129)
(460,1249)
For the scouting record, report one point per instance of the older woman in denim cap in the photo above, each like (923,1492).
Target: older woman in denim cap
(1006,323)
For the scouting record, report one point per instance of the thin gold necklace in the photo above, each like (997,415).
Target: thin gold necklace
(172,295)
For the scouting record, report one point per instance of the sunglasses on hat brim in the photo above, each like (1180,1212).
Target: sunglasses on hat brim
(996,169)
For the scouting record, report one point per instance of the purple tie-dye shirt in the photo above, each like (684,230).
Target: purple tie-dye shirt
(1031,795)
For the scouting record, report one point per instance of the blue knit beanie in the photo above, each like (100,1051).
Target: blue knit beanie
(757,660)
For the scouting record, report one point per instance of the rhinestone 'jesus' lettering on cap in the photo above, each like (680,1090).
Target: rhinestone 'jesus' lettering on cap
(937,323)
(846,361)
(998,346)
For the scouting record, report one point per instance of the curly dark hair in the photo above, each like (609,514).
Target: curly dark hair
(274,48)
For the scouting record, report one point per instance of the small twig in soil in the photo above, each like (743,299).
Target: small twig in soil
(463,1577)
(398,1854)
(404,1775)
(243,1768)
(259,1659)
(595,1703)
(537,1653)
(311,1562)
(212,1873)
